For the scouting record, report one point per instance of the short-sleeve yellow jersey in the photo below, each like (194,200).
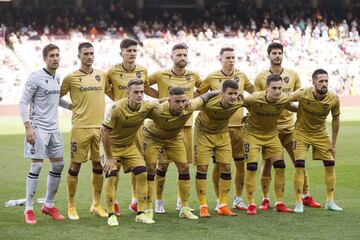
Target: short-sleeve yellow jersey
(119,77)
(124,122)
(312,113)
(167,79)
(87,93)
(263,115)
(165,125)
(291,82)
(214,118)
(214,81)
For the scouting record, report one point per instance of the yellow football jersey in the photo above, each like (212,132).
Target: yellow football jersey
(214,81)
(119,77)
(125,122)
(87,93)
(164,125)
(291,82)
(264,115)
(167,79)
(312,113)
(213,118)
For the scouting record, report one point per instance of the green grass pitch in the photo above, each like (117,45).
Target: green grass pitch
(313,224)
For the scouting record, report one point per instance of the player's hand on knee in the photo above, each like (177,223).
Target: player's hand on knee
(332,148)
(30,135)
(109,165)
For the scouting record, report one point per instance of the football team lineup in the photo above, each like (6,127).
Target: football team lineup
(222,135)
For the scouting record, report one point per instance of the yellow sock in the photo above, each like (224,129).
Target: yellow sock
(265,182)
(97,183)
(118,165)
(239,177)
(160,182)
(141,190)
(250,185)
(72,181)
(215,178)
(151,191)
(224,187)
(201,189)
(184,189)
(306,182)
(330,181)
(133,185)
(298,183)
(109,190)
(279,184)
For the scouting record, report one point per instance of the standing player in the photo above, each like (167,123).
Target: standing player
(285,123)
(119,133)
(212,135)
(165,132)
(42,136)
(214,82)
(260,133)
(315,104)
(119,77)
(177,76)
(87,87)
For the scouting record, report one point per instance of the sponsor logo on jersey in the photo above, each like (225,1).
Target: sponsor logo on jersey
(121,87)
(97,78)
(286,90)
(188,89)
(90,89)
(49,92)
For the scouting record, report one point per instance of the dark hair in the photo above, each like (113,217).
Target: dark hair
(229,84)
(176,91)
(273,78)
(48,48)
(128,42)
(273,46)
(226,49)
(179,46)
(84,45)
(318,72)
(135,82)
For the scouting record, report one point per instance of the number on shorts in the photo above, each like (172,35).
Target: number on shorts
(246,147)
(73,146)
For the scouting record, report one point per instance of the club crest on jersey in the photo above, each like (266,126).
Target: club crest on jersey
(138,74)
(236,78)
(183,117)
(326,106)
(80,79)
(97,78)
(143,114)
(187,77)
(286,79)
